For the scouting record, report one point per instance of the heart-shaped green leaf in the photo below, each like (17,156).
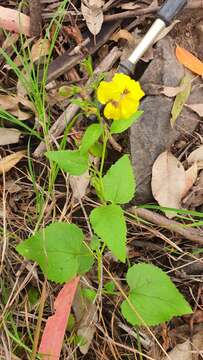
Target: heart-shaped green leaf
(109,224)
(70,161)
(153,296)
(59,251)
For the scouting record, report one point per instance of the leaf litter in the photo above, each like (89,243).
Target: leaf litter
(173,170)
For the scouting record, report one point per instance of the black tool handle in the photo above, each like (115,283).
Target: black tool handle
(170,9)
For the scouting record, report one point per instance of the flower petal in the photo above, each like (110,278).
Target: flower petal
(112,112)
(104,92)
(128,107)
(135,90)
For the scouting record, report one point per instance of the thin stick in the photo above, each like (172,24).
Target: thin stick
(67,116)
(190,234)
(39,321)
(192,4)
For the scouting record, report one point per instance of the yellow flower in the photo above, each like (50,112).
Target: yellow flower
(121,97)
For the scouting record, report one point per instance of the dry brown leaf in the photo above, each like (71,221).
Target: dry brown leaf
(129,6)
(166,31)
(10,40)
(93,14)
(195,197)
(123,34)
(168,181)
(40,48)
(10,103)
(9,136)
(12,187)
(196,155)
(189,350)
(198,108)
(10,161)
(190,178)
(170,91)
(79,185)
(14,20)
(86,316)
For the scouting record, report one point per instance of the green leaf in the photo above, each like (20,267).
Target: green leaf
(59,251)
(119,182)
(91,135)
(119,126)
(181,98)
(33,296)
(110,288)
(109,224)
(70,161)
(89,294)
(96,150)
(153,296)
(86,260)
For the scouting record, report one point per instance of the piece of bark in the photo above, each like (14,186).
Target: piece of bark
(35,18)
(153,134)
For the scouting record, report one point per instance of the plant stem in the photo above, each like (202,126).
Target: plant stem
(39,321)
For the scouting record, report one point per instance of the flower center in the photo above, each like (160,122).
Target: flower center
(123,94)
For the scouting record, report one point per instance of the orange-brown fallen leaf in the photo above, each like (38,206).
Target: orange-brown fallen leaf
(14,20)
(53,335)
(189,60)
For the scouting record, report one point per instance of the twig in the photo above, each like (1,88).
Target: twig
(35,18)
(63,63)
(192,4)
(190,234)
(39,321)
(66,117)
(78,48)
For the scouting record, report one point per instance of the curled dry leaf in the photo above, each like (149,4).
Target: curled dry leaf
(196,155)
(168,181)
(39,49)
(189,350)
(10,161)
(79,185)
(123,34)
(197,108)
(9,136)
(14,20)
(86,316)
(11,103)
(167,30)
(93,14)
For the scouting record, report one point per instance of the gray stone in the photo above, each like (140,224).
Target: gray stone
(153,133)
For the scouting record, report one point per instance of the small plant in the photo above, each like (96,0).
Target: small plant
(60,249)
